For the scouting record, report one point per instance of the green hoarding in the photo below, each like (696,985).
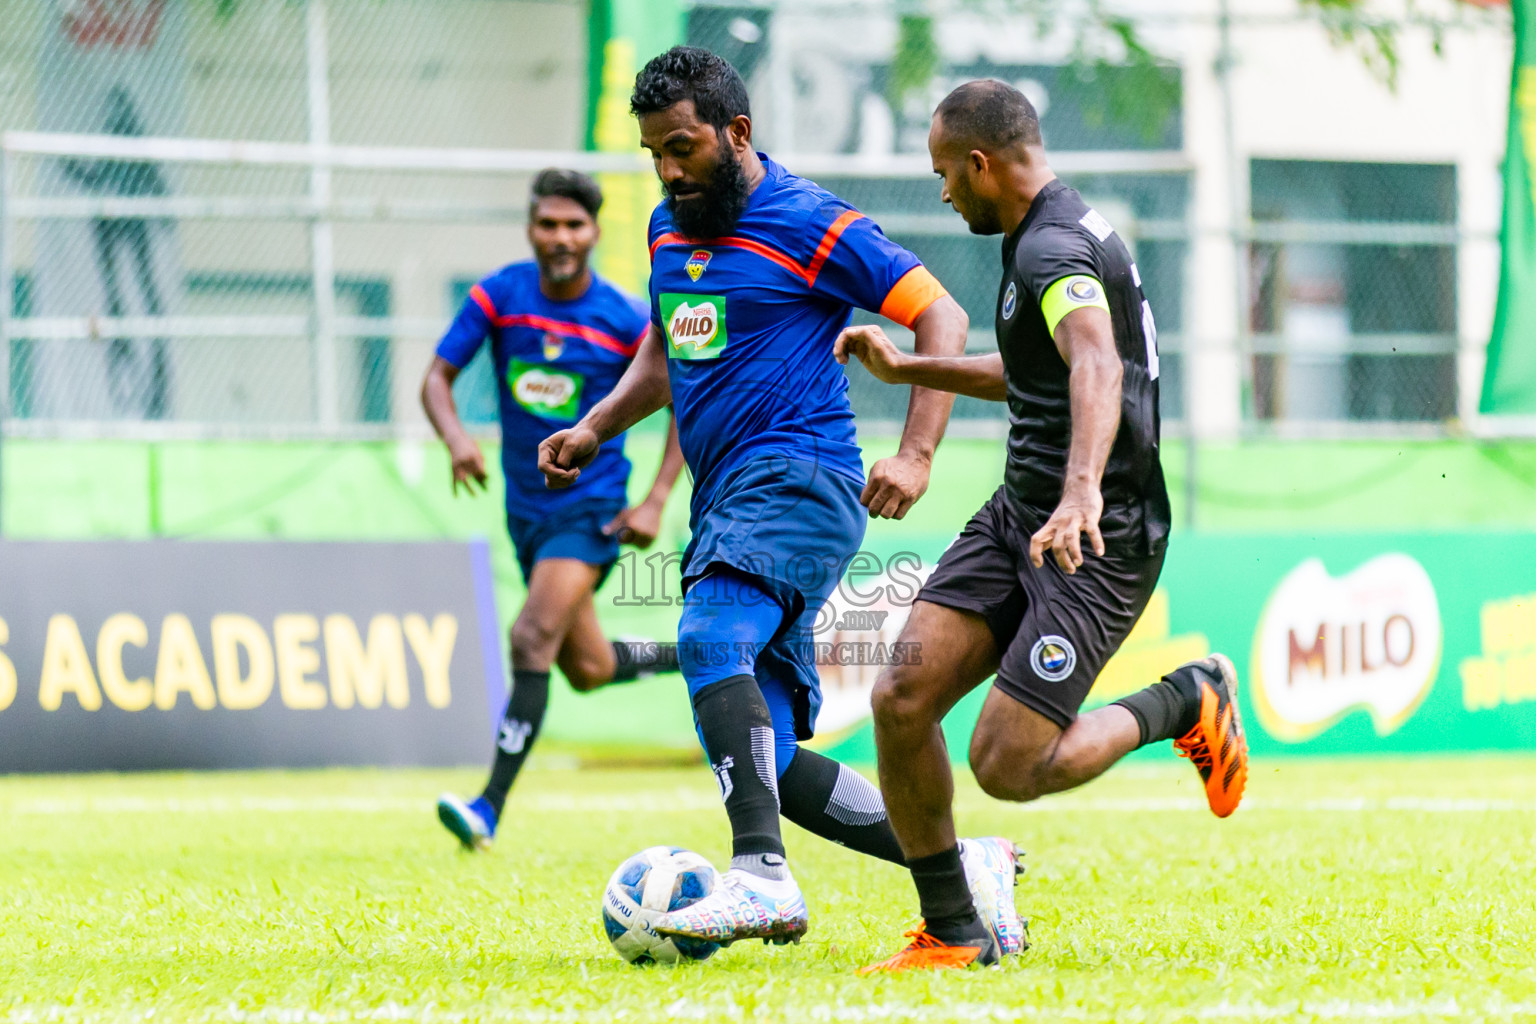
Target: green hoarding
(1428,641)
(1214,590)
(1509,384)
(1346,644)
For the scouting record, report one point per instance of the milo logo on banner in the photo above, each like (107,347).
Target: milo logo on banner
(545,391)
(695,325)
(1326,645)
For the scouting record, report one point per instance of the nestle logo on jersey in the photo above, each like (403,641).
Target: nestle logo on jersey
(536,388)
(545,391)
(695,325)
(697,263)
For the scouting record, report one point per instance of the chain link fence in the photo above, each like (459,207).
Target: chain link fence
(253,218)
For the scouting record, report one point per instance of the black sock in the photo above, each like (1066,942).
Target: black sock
(837,803)
(738,739)
(632,657)
(519,728)
(945,898)
(1167,709)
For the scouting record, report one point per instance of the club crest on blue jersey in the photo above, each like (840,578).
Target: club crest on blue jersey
(553,346)
(697,263)
(1010,300)
(1053,658)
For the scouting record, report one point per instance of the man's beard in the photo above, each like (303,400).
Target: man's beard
(980,219)
(712,211)
(562,271)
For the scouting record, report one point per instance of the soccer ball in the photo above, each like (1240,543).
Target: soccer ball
(647,885)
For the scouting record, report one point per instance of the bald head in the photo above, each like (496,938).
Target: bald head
(988,115)
(985,144)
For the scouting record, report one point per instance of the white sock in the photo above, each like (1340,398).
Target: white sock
(765,868)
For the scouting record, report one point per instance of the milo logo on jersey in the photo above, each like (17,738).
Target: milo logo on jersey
(544,390)
(695,325)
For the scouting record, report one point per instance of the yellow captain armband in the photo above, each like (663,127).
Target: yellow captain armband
(1070,293)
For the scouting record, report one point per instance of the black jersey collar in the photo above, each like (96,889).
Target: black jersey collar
(1011,243)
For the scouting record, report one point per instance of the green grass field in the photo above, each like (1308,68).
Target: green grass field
(1346,890)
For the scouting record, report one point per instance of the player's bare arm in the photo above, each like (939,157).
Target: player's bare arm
(896,483)
(437,400)
(641,391)
(640,524)
(1086,342)
(975,376)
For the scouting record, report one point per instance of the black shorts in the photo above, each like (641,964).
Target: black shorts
(1055,632)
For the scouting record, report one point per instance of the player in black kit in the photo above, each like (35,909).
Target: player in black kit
(1017,594)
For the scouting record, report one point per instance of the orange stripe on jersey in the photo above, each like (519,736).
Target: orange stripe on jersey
(911,296)
(667,238)
(733,242)
(483,301)
(805,273)
(828,243)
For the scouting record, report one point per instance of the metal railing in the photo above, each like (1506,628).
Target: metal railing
(323,207)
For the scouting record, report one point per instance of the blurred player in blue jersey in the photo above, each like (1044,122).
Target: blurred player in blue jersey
(754,272)
(561,337)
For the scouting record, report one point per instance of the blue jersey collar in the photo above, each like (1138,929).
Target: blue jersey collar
(773,173)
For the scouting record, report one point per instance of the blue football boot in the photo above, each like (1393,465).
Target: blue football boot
(473,823)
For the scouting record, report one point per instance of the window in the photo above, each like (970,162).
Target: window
(1353,290)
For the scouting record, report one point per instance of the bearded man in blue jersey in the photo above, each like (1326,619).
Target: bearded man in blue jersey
(560,337)
(754,271)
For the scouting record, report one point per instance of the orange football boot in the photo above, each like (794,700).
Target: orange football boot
(1216,744)
(928,952)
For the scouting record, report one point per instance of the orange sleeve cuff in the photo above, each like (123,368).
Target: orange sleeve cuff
(915,292)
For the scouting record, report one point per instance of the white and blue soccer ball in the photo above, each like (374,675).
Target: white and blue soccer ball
(653,882)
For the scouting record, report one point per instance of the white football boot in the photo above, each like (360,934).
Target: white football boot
(992,868)
(743,906)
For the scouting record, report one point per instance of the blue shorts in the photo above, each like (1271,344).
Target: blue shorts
(574,532)
(793,526)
